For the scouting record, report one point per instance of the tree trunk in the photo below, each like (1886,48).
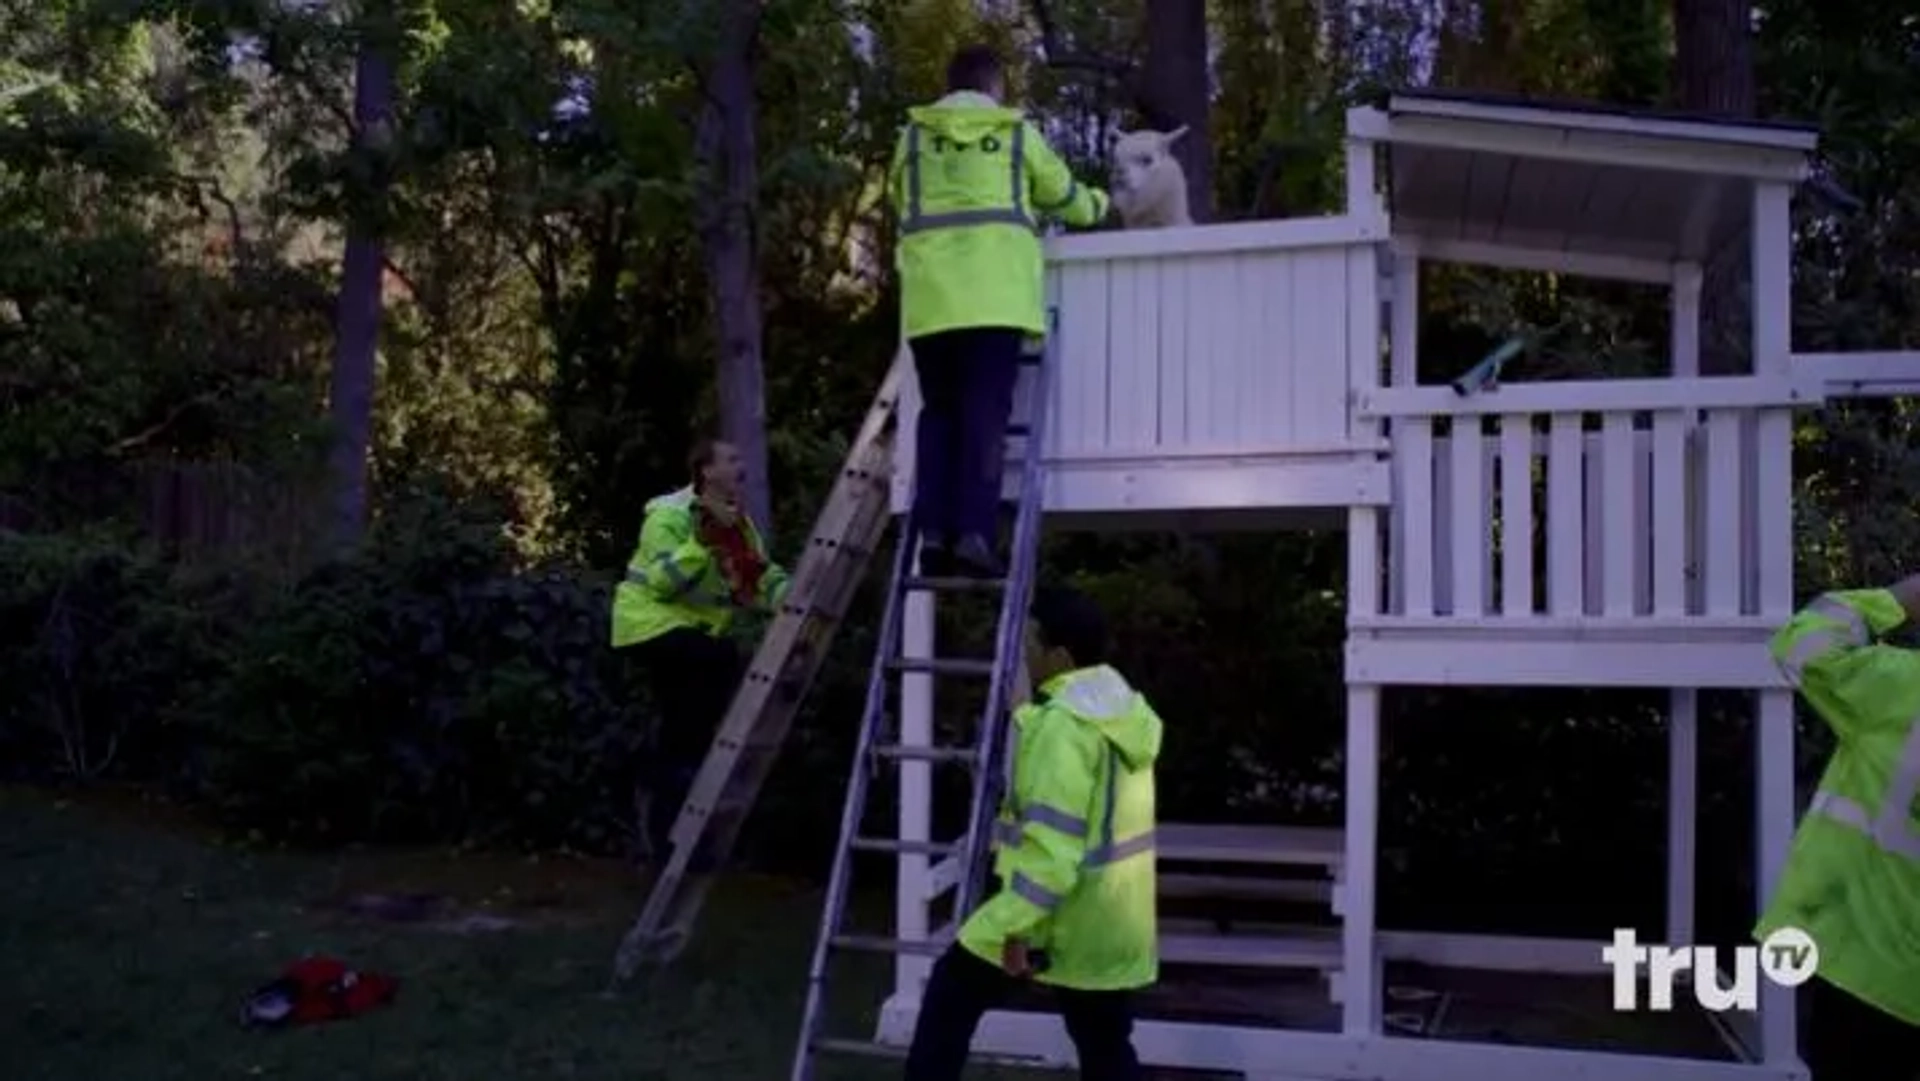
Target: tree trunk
(1713,56)
(1176,88)
(729,157)
(1713,73)
(358,314)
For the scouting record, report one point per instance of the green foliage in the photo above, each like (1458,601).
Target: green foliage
(100,649)
(435,692)
(432,693)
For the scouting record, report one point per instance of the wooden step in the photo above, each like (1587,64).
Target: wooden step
(1279,846)
(1190,887)
(1184,943)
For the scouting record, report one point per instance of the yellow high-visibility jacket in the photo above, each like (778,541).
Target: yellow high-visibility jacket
(969,181)
(1074,838)
(673,580)
(1852,881)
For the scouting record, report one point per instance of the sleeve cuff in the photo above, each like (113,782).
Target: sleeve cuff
(1009,915)
(1880,607)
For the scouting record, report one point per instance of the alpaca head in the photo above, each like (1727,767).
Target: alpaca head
(1149,187)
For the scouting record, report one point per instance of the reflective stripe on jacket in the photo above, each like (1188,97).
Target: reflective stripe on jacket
(673,581)
(1852,880)
(1075,837)
(967,179)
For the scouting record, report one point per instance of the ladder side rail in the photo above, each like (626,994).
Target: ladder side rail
(853,807)
(867,529)
(723,830)
(850,525)
(1010,636)
(816,608)
(818,572)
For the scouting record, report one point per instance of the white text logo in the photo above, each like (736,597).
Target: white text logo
(1787,957)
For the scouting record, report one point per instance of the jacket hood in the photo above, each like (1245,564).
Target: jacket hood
(1102,698)
(681,498)
(964,116)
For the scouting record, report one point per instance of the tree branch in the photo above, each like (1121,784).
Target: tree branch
(1264,181)
(153,431)
(406,282)
(1061,58)
(203,188)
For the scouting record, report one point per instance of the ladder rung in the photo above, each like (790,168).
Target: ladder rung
(918,947)
(866,1048)
(908,753)
(957,585)
(720,808)
(840,1045)
(905,848)
(942,666)
(841,543)
(751,743)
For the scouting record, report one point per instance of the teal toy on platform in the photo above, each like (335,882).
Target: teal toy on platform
(1486,374)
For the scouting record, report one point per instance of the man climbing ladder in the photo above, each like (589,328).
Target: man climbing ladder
(809,610)
(967,178)
(1074,855)
(699,558)
(972,289)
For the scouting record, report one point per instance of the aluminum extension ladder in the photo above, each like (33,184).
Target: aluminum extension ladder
(749,739)
(986,757)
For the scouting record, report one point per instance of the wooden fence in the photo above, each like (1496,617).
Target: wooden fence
(189,511)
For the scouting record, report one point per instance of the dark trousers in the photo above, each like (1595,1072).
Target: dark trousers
(963,988)
(1849,1040)
(693,676)
(966,392)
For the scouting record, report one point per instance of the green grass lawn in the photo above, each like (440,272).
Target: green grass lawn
(131,935)
(130,940)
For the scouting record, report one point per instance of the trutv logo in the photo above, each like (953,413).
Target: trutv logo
(1788,957)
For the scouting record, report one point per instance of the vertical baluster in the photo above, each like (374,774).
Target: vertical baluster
(1565,526)
(1516,515)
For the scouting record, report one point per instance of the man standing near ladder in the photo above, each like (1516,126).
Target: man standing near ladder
(1074,855)
(967,180)
(698,561)
(1852,881)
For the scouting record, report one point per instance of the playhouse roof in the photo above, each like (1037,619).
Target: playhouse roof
(1597,180)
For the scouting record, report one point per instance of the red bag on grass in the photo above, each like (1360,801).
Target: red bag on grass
(317,989)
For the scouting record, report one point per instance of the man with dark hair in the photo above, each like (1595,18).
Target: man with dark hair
(969,181)
(1074,855)
(976,68)
(699,561)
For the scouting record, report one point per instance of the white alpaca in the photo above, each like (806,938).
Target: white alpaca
(1149,187)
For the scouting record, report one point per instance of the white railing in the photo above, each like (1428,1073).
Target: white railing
(1863,375)
(1624,501)
(1219,339)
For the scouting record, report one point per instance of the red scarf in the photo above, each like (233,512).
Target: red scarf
(740,565)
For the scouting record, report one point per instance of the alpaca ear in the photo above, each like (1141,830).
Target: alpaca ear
(1173,136)
(1114,135)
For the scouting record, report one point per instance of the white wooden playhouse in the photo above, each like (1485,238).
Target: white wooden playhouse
(1265,372)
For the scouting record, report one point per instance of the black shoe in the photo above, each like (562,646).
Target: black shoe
(977,559)
(936,559)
